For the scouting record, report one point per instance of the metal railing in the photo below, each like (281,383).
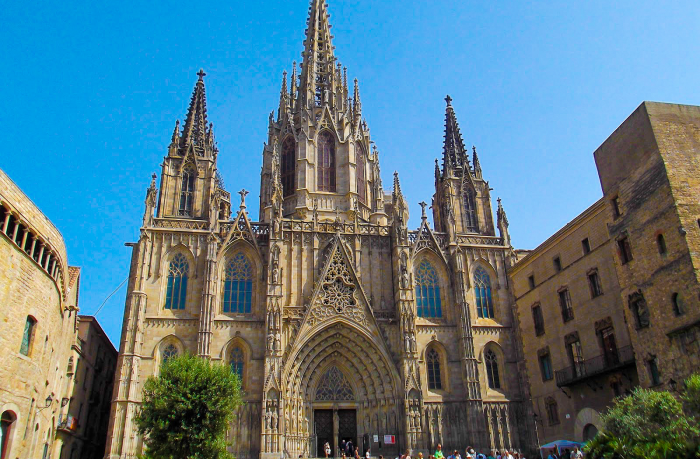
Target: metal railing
(595,366)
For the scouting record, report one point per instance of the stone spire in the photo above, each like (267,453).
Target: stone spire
(293,81)
(318,65)
(284,95)
(453,154)
(176,133)
(356,104)
(397,187)
(195,130)
(502,223)
(477,165)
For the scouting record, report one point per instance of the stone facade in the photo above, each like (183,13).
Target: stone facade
(82,428)
(573,328)
(342,323)
(649,172)
(39,294)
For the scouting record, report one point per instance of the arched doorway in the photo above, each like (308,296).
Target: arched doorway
(335,412)
(589,431)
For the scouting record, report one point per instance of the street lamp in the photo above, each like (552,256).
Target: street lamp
(49,401)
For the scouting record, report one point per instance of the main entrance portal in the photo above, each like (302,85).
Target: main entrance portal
(334,426)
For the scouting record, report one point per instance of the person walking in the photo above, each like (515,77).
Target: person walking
(367,453)
(327,449)
(577,454)
(438,452)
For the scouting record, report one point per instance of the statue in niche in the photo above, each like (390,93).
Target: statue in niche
(270,342)
(413,344)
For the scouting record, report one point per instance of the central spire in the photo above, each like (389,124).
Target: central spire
(453,154)
(318,73)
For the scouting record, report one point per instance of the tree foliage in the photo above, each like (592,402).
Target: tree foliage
(187,409)
(651,424)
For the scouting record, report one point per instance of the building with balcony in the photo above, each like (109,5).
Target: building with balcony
(577,350)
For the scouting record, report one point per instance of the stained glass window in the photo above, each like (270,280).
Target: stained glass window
(492,369)
(470,219)
(237,362)
(427,291)
(27,335)
(482,289)
(433,361)
(238,285)
(326,162)
(176,292)
(361,184)
(288,165)
(169,352)
(187,191)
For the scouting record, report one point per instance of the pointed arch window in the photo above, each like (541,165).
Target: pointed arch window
(288,166)
(492,369)
(326,162)
(470,219)
(238,285)
(169,352)
(176,292)
(427,291)
(434,378)
(189,175)
(361,181)
(482,289)
(236,362)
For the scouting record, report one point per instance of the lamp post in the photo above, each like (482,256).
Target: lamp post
(49,401)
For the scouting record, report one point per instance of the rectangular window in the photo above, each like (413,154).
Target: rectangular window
(567,312)
(546,367)
(531,281)
(586,245)
(552,414)
(623,245)
(538,320)
(576,357)
(27,336)
(654,372)
(557,264)
(607,340)
(594,284)
(616,206)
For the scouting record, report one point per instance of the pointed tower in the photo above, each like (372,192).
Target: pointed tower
(327,164)
(462,203)
(190,182)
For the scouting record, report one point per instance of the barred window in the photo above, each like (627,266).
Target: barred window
(433,361)
(189,174)
(427,291)
(288,166)
(176,292)
(238,285)
(482,289)
(326,162)
(492,369)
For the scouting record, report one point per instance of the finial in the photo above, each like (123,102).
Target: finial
(448,99)
(153,180)
(422,205)
(201,74)
(243,194)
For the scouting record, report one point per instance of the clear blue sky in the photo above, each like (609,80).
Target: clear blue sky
(91,92)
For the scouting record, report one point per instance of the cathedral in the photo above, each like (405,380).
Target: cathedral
(343,323)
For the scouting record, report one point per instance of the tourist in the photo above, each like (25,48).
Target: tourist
(492,455)
(420,455)
(553,454)
(327,449)
(566,454)
(469,453)
(348,448)
(498,454)
(342,445)
(577,454)
(357,452)
(367,454)
(438,452)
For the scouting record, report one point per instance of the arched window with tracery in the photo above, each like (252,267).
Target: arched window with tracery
(432,359)
(176,291)
(492,369)
(427,291)
(326,162)
(470,218)
(361,181)
(169,352)
(238,285)
(482,290)
(236,362)
(288,166)
(189,175)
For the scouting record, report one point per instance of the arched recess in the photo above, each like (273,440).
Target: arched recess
(237,342)
(225,257)
(585,417)
(160,348)
(10,423)
(484,265)
(443,360)
(441,269)
(486,360)
(164,270)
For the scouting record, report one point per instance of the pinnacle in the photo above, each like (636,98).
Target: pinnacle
(453,149)
(195,126)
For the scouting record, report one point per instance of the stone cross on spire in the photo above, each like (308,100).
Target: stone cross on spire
(448,99)
(422,205)
(243,194)
(201,74)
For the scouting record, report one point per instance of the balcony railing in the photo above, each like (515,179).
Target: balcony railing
(595,366)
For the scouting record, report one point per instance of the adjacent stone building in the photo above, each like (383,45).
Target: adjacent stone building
(572,323)
(38,318)
(342,322)
(649,170)
(82,423)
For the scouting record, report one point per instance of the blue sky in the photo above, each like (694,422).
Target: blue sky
(91,92)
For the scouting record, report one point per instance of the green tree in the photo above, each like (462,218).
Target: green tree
(650,424)
(187,409)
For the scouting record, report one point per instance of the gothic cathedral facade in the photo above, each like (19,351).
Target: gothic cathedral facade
(342,323)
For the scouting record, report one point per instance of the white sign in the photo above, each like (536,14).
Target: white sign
(376,438)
